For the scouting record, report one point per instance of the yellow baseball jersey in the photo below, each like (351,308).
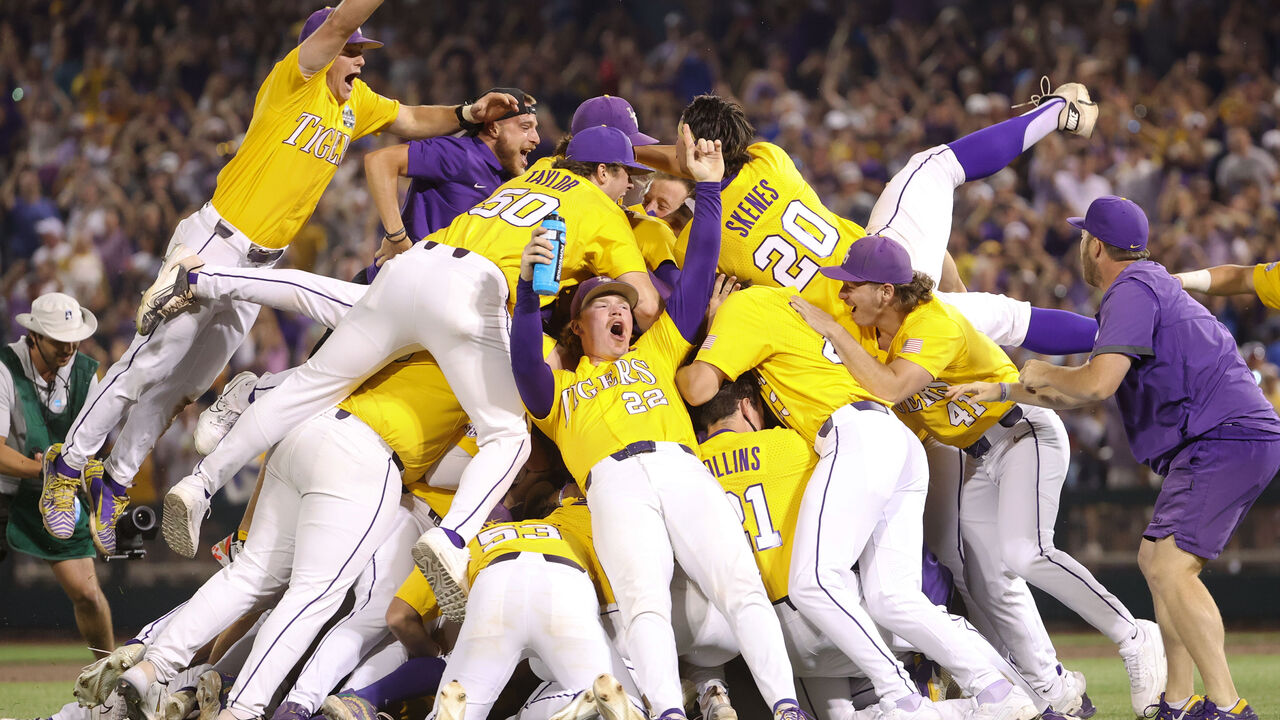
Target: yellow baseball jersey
(565,533)
(776,232)
(600,409)
(764,474)
(654,237)
(416,592)
(939,339)
(297,136)
(804,380)
(598,235)
(408,402)
(1266,282)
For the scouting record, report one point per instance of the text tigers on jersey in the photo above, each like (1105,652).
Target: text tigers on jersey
(325,143)
(624,371)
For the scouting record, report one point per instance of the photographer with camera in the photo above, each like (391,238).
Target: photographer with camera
(44,380)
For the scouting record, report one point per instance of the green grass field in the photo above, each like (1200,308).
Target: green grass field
(1254,663)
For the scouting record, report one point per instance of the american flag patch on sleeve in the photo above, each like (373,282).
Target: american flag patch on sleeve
(706,344)
(913,345)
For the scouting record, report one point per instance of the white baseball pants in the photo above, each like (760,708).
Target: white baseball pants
(652,510)
(450,302)
(161,373)
(528,607)
(328,502)
(916,209)
(1008,510)
(864,503)
(364,628)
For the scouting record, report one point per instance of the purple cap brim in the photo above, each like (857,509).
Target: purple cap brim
(1077,222)
(838,273)
(639,138)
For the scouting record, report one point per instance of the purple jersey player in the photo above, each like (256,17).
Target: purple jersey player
(1193,413)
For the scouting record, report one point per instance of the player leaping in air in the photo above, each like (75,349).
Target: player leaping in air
(310,108)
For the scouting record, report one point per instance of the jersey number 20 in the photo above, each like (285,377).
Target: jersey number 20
(789,268)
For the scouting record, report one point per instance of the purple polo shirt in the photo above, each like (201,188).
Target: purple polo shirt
(1187,378)
(450,175)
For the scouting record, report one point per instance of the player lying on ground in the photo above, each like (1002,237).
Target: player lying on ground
(1192,412)
(628,441)
(913,347)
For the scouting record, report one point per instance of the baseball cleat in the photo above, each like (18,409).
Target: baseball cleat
(171,293)
(1078,115)
(715,705)
(1239,711)
(185,507)
(611,700)
(445,567)
(226,549)
(142,695)
(1069,698)
(1144,660)
(211,693)
(216,421)
(451,702)
(99,679)
(179,704)
(58,506)
(581,707)
(348,706)
(105,508)
(1015,706)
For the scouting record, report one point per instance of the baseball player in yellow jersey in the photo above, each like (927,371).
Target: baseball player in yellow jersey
(309,109)
(534,591)
(875,521)
(1262,279)
(460,315)
(628,441)
(912,349)
(776,232)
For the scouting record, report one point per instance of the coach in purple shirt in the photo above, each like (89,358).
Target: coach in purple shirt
(1192,412)
(449,175)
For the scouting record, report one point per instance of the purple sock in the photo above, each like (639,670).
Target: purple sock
(192,276)
(995,692)
(116,488)
(454,538)
(62,468)
(1059,332)
(417,677)
(989,150)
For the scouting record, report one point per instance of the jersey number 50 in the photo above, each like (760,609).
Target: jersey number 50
(517,206)
(790,269)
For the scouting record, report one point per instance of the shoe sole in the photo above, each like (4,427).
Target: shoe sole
(177,527)
(723,711)
(209,696)
(450,596)
(132,700)
(334,709)
(583,705)
(451,702)
(611,699)
(178,705)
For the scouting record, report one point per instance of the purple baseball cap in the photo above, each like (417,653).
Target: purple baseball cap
(612,111)
(1116,221)
(602,144)
(874,258)
(601,285)
(317,18)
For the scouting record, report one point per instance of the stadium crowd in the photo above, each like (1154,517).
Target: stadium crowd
(115,122)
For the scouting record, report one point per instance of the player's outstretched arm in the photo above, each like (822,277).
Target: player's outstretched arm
(999,392)
(699,381)
(703,160)
(1219,280)
(383,170)
(1094,381)
(322,46)
(894,382)
(534,379)
(415,122)
(661,158)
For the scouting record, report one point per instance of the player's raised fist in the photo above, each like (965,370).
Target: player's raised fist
(539,251)
(701,158)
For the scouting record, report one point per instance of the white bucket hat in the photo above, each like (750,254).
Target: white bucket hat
(59,316)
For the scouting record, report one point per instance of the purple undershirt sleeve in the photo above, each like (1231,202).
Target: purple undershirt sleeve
(534,380)
(692,292)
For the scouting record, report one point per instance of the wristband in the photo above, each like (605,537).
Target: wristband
(1198,280)
(396,236)
(462,112)
(1004,392)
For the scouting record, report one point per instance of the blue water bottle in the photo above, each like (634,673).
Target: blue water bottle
(546,277)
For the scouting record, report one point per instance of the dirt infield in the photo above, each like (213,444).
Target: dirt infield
(40,672)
